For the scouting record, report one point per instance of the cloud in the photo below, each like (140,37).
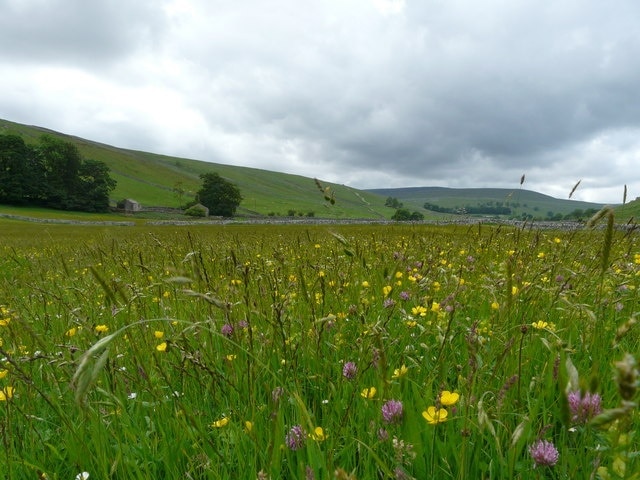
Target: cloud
(370,93)
(76,31)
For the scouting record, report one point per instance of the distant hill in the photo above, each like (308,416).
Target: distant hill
(518,200)
(165,181)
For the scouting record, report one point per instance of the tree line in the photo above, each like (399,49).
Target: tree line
(52,174)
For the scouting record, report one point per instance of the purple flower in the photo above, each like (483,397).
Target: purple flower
(296,437)
(383,435)
(405,295)
(227,330)
(392,411)
(349,370)
(242,324)
(544,454)
(584,408)
(388,303)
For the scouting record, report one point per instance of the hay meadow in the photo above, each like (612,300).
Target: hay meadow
(318,352)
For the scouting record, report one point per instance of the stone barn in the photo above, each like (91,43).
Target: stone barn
(129,205)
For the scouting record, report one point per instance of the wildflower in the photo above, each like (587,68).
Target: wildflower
(405,295)
(584,408)
(227,330)
(544,454)
(447,398)
(101,329)
(388,303)
(3,373)
(6,394)
(419,311)
(349,370)
(433,416)
(392,411)
(386,290)
(435,307)
(318,435)
(400,372)
(365,284)
(158,334)
(368,393)
(231,357)
(542,325)
(220,423)
(295,439)
(541,254)
(71,332)
(495,306)
(248,426)
(162,347)
(82,476)
(383,435)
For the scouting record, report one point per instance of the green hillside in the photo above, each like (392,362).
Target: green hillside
(520,201)
(153,179)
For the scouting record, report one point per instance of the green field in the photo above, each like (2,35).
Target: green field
(349,352)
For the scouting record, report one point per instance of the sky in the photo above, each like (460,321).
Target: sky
(366,93)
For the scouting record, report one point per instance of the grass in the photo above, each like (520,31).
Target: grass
(219,352)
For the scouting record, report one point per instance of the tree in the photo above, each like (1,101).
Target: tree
(403,215)
(95,185)
(52,174)
(19,184)
(220,196)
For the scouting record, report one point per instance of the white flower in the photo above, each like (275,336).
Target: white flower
(82,476)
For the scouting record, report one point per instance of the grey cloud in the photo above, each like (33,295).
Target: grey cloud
(75,32)
(454,93)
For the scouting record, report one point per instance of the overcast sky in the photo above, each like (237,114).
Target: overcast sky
(367,93)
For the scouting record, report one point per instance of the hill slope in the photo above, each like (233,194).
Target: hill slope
(520,201)
(153,180)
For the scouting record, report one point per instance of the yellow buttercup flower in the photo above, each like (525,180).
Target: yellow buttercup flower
(400,372)
(318,434)
(542,325)
(3,373)
(220,423)
(368,392)
(101,329)
(6,393)
(433,416)
(71,332)
(158,334)
(419,311)
(448,398)
(162,347)
(248,426)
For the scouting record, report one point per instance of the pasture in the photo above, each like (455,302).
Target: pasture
(318,352)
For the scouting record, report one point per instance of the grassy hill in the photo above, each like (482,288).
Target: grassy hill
(153,180)
(520,201)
